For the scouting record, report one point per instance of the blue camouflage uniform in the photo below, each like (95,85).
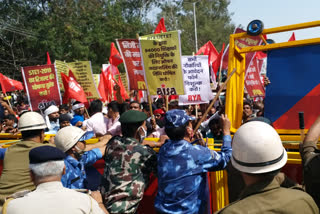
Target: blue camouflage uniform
(76,176)
(182,174)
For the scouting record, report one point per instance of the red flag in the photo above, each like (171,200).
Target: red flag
(292,38)
(48,59)
(8,84)
(160,27)
(115,57)
(210,50)
(123,91)
(101,87)
(72,89)
(216,64)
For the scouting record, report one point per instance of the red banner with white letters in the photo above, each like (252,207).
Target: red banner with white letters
(42,86)
(130,52)
(252,81)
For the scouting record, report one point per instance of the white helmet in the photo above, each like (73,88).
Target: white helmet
(31,121)
(68,136)
(257,148)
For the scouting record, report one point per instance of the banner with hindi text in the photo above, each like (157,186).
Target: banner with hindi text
(196,80)
(41,86)
(130,52)
(83,74)
(252,80)
(161,60)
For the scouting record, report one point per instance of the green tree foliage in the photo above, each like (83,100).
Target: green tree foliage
(212,18)
(73,30)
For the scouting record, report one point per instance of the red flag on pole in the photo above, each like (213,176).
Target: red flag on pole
(210,50)
(101,87)
(160,27)
(72,89)
(8,84)
(216,64)
(292,38)
(48,59)
(115,57)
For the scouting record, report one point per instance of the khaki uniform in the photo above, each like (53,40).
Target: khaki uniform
(53,198)
(269,197)
(15,174)
(310,156)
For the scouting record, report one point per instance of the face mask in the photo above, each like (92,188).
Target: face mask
(142,137)
(78,153)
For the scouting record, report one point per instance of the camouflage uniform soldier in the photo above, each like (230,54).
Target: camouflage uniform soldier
(128,165)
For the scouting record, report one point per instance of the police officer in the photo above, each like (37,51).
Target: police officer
(50,197)
(311,161)
(259,155)
(15,174)
(128,165)
(79,171)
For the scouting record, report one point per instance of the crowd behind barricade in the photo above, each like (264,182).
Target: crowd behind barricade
(39,177)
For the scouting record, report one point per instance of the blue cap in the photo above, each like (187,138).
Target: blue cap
(43,154)
(88,135)
(176,118)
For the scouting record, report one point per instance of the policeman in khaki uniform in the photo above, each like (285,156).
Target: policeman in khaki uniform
(259,155)
(50,197)
(128,165)
(15,174)
(310,155)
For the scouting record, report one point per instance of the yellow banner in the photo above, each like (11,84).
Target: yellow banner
(83,73)
(161,56)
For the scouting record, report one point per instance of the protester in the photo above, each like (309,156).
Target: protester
(128,165)
(50,197)
(135,105)
(182,167)
(259,155)
(113,126)
(310,156)
(97,122)
(15,174)
(78,117)
(247,112)
(71,140)
(10,124)
(64,109)
(64,120)
(52,119)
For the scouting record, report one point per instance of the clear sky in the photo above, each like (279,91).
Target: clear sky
(275,13)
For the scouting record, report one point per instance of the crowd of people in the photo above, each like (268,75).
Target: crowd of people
(58,176)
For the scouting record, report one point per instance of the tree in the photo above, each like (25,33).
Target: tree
(69,29)
(213,22)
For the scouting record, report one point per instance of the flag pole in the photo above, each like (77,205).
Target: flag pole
(8,100)
(214,100)
(148,93)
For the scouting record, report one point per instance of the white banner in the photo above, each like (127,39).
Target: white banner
(196,80)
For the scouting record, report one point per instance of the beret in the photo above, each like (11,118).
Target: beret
(176,118)
(132,116)
(158,111)
(43,154)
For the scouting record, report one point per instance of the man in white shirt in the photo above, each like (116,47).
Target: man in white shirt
(50,197)
(97,122)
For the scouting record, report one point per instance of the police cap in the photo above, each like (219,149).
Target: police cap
(43,154)
(132,116)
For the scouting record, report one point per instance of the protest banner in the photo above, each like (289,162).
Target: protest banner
(242,43)
(61,67)
(41,86)
(252,80)
(130,52)
(83,74)
(161,60)
(196,80)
